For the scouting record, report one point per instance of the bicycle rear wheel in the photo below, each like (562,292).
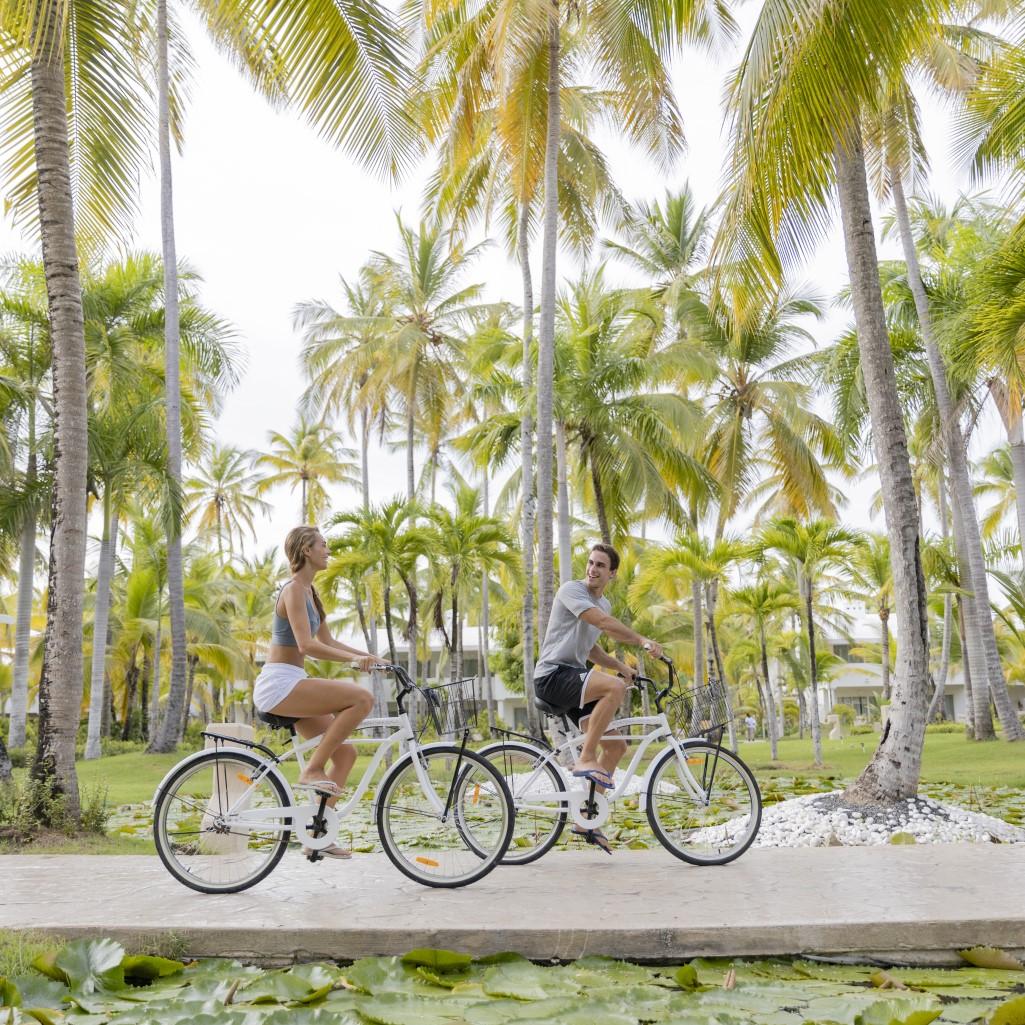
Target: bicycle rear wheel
(715,826)
(444,816)
(199,824)
(534,784)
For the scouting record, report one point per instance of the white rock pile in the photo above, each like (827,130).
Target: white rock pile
(818,820)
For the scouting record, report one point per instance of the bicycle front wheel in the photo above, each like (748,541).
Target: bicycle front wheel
(219,825)
(706,807)
(444,816)
(535,785)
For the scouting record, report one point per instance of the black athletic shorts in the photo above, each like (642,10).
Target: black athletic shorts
(564,688)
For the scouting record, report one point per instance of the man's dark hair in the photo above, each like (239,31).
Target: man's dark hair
(610,552)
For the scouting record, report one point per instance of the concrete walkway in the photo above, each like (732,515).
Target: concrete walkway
(903,904)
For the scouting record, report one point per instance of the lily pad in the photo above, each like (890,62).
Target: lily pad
(142,968)
(399,1009)
(915,1011)
(992,957)
(377,975)
(498,1012)
(439,960)
(522,980)
(35,992)
(90,965)
(1011,1012)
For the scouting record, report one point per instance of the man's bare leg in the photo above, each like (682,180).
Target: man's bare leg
(608,691)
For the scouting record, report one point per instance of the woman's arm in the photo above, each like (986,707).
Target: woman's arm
(299,620)
(354,654)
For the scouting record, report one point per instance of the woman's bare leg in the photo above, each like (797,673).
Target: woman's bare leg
(342,758)
(349,703)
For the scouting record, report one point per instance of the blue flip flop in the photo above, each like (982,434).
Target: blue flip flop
(597,776)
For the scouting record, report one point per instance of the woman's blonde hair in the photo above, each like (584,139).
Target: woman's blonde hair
(297,541)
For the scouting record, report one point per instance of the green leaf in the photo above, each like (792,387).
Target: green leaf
(399,1009)
(498,1012)
(686,977)
(522,980)
(142,968)
(903,838)
(90,965)
(992,957)
(377,975)
(10,996)
(439,960)
(447,980)
(608,969)
(36,992)
(1011,1012)
(302,984)
(914,1011)
(44,964)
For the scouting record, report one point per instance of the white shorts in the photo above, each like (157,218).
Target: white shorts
(276,681)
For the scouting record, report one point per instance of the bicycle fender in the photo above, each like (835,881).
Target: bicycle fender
(396,765)
(189,759)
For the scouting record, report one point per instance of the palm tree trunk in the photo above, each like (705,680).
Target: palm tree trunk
(413,627)
(529,499)
(769,696)
(546,340)
(599,506)
(23,621)
(713,641)
(303,498)
(388,625)
(936,704)
(454,637)
(6,769)
(813,676)
(60,686)
(972,655)
(565,534)
(960,475)
(485,619)
(108,546)
(884,640)
(190,687)
(967,672)
(154,694)
(892,774)
(1011,414)
(411,439)
(699,633)
(131,682)
(166,738)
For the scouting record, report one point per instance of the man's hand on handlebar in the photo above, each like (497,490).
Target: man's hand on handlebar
(653,648)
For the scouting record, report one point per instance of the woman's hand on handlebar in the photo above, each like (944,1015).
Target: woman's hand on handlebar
(366,663)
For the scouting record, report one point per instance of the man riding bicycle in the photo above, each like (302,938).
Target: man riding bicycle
(589,697)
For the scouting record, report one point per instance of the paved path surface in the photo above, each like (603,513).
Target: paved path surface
(914,904)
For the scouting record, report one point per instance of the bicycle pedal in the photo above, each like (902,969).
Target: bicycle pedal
(314,856)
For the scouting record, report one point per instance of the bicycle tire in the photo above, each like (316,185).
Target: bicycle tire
(411,830)
(530,823)
(710,839)
(190,865)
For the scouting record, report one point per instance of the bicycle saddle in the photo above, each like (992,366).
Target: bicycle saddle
(277,722)
(548,709)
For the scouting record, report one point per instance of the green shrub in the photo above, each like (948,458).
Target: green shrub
(845,712)
(27,807)
(945,727)
(861,728)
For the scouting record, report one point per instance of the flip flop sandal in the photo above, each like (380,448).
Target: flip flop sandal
(598,776)
(594,836)
(321,786)
(334,851)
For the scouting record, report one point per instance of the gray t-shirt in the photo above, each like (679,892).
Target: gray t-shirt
(569,639)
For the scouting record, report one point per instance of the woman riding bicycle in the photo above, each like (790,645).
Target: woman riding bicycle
(332,708)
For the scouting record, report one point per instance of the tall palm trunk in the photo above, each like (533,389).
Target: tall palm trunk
(388,624)
(454,667)
(1011,415)
(546,335)
(972,655)
(377,684)
(960,475)
(411,437)
(936,704)
(529,498)
(966,670)
(599,506)
(813,673)
(699,632)
(154,694)
(60,686)
(562,484)
(304,502)
(108,546)
(892,774)
(166,737)
(485,620)
(6,769)
(770,698)
(26,580)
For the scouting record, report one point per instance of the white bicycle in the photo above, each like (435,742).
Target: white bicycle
(223,817)
(702,801)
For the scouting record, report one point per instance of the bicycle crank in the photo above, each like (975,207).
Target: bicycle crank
(588,808)
(320,826)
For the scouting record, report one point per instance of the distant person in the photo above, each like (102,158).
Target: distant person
(589,697)
(333,708)
(752,724)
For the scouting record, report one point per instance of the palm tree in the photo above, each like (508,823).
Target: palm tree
(222,496)
(763,604)
(623,416)
(310,458)
(798,101)
(813,548)
(873,579)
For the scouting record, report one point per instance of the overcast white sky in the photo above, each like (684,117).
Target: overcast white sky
(270,216)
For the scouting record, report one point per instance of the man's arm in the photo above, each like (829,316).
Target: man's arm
(619,631)
(600,657)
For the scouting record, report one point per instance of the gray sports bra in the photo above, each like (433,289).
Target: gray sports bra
(281,629)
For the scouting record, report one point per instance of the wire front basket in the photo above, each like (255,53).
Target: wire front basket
(448,709)
(699,711)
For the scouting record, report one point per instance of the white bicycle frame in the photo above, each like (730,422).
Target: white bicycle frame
(289,817)
(566,799)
